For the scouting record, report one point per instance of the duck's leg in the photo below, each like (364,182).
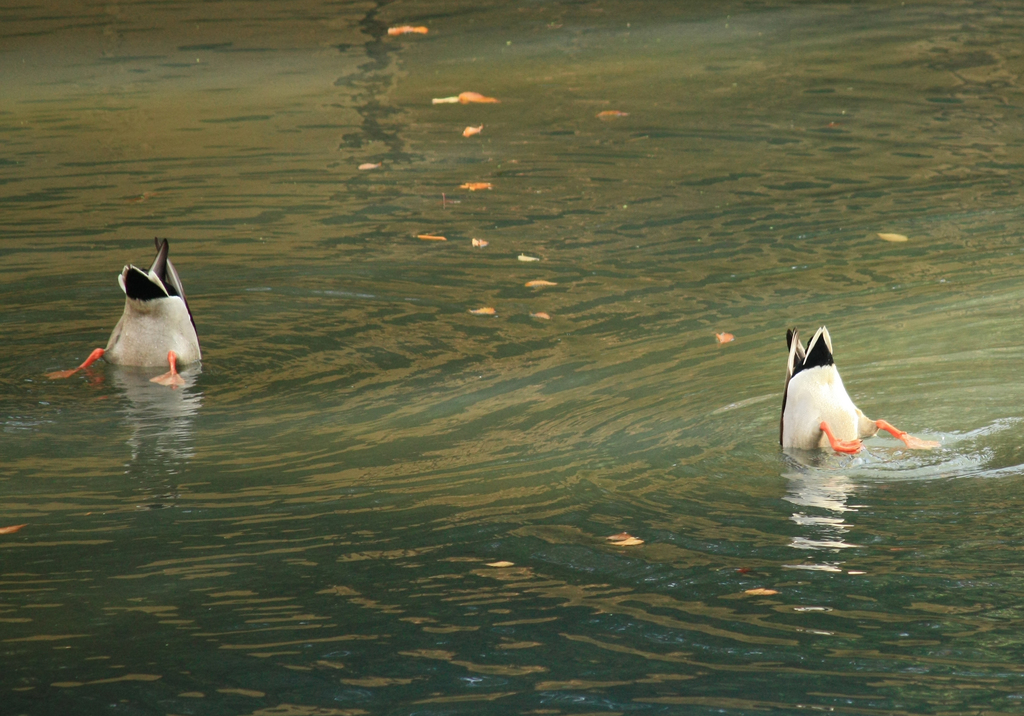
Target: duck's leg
(911,442)
(847,446)
(171,378)
(93,357)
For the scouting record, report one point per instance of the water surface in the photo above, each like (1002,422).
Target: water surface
(307,527)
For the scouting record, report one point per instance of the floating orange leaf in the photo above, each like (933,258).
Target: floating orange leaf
(761,592)
(725,337)
(476,185)
(486,311)
(407,29)
(368,165)
(470,131)
(464,98)
(11,530)
(501,564)
(431,237)
(539,283)
(611,114)
(467,97)
(479,243)
(895,238)
(524,257)
(540,314)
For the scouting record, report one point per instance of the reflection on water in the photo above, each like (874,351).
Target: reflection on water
(825,498)
(161,420)
(371,500)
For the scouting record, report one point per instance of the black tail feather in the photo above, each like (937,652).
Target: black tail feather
(138,285)
(819,353)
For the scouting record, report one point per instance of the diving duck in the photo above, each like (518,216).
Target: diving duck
(816,409)
(156,327)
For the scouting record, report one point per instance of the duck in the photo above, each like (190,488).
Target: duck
(817,411)
(156,328)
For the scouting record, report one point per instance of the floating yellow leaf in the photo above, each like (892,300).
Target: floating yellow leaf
(895,238)
(524,257)
(725,337)
(761,592)
(486,311)
(611,114)
(368,165)
(619,536)
(431,237)
(539,283)
(476,185)
(501,564)
(479,243)
(631,542)
(470,131)
(540,314)
(11,530)
(407,29)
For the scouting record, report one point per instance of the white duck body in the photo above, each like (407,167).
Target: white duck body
(156,317)
(814,394)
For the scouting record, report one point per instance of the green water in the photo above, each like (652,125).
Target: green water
(306,528)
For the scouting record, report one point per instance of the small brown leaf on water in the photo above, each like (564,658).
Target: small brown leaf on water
(479,243)
(895,238)
(524,257)
(11,530)
(476,185)
(470,131)
(609,114)
(761,592)
(540,283)
(485,311)
(725,337)
(501,564)
(430,237)
(540,314)
(407,29)
(368,165)
(142,197)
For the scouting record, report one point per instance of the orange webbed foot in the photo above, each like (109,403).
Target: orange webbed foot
(171,378)
(845,446)
(909,440)
(93,357)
